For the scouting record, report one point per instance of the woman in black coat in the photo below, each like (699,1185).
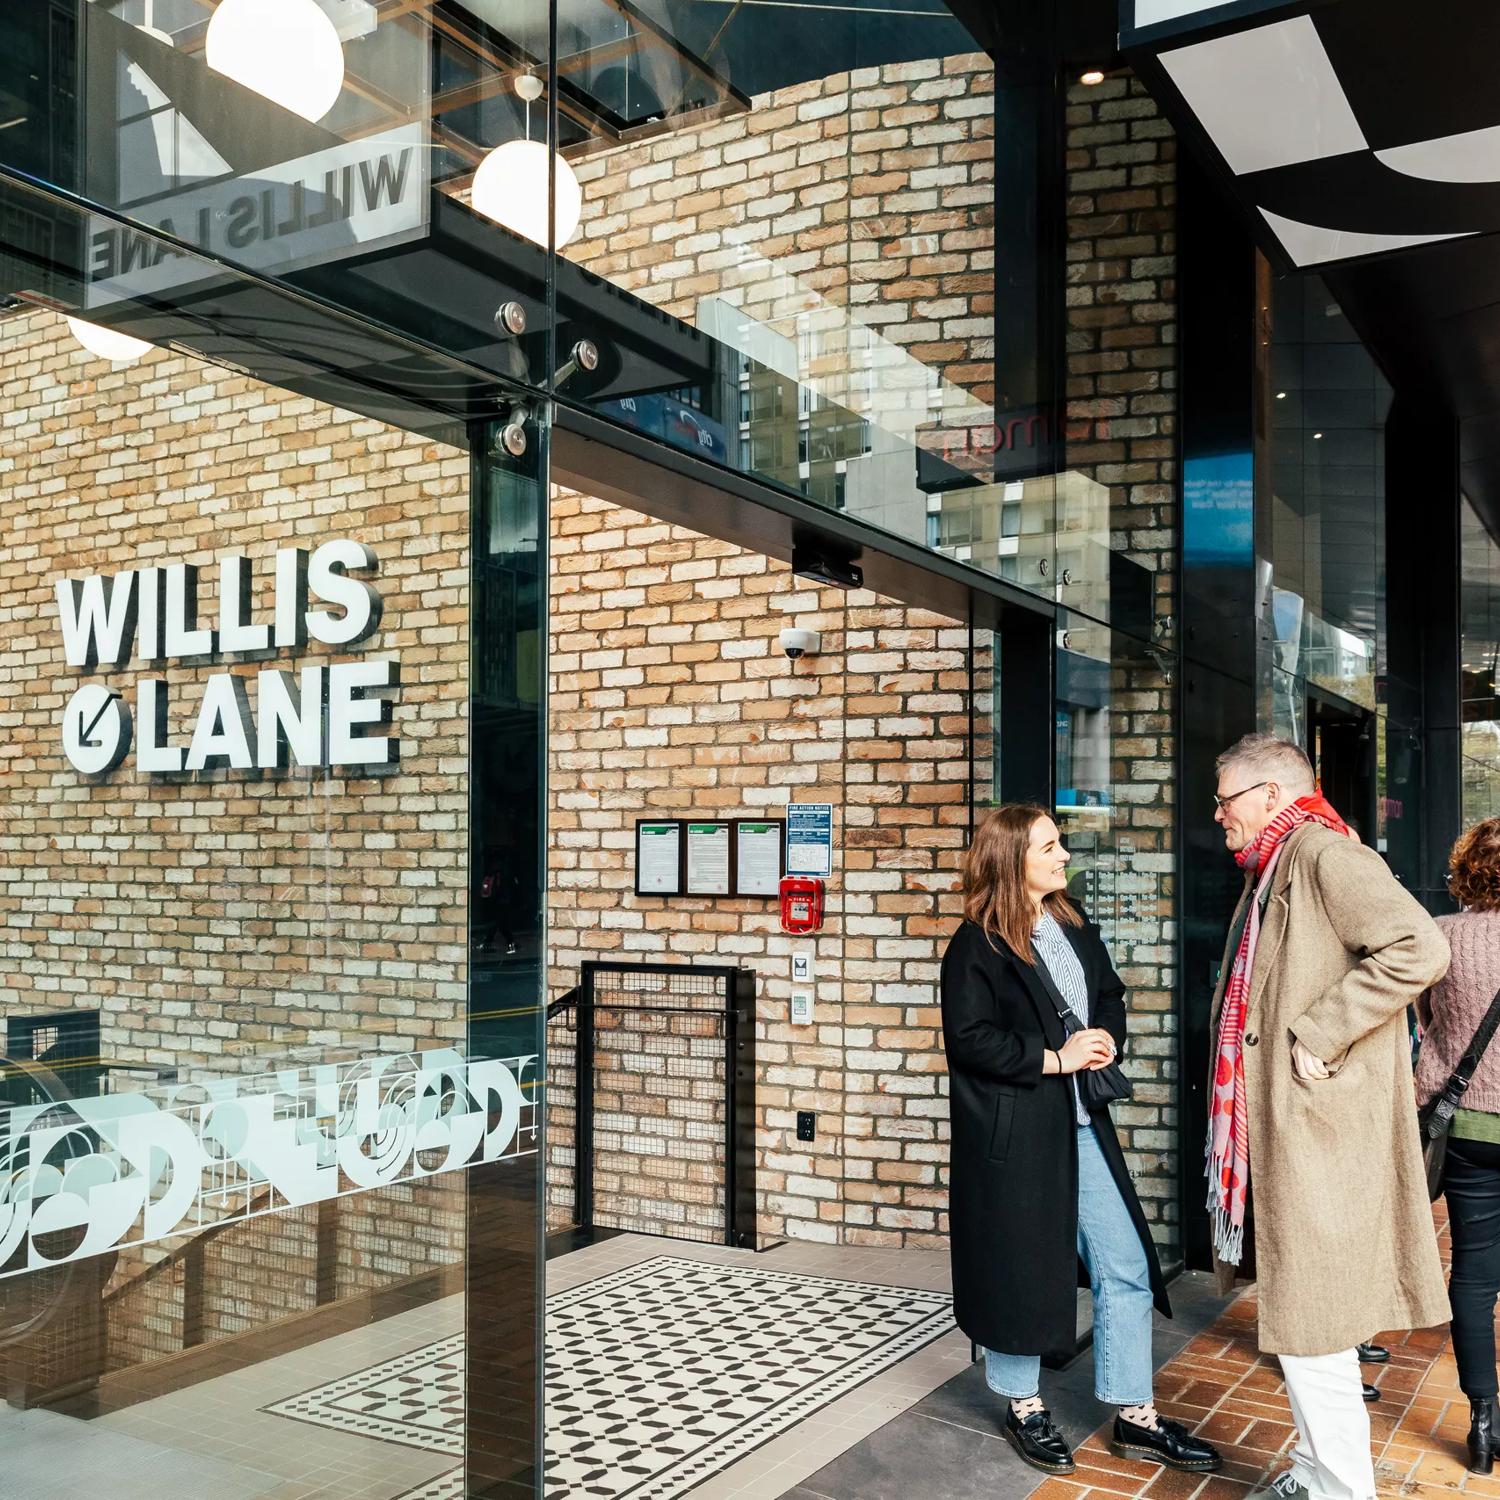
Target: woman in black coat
(1038,1180)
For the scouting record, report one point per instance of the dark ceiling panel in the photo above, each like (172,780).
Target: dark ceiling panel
(1431,314)
(1415,72)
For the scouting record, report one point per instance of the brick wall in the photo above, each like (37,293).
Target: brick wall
(670,696)
(225,912)
(851,216)
(215,918)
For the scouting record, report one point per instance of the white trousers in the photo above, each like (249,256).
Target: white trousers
(1332,1458)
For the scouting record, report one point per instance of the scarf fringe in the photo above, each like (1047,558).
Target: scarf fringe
(1229,1238)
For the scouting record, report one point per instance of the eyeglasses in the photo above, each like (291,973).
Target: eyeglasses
(1220,803)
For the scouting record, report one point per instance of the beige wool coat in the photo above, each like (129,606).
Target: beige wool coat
(1342,1234)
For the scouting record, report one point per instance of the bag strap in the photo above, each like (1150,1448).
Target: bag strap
(1463,1074)
(1065,1013)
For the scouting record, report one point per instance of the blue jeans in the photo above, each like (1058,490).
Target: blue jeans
(1121,1280)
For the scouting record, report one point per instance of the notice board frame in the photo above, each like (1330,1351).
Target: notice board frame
(728,825)
(682,892)
(635,856)
(779,824)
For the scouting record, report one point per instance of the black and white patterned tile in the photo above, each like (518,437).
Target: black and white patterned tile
(658,1376)
(448,1485)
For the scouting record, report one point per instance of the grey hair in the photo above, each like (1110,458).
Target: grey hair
(1267,758)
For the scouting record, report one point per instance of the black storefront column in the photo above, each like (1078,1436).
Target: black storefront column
(507,951)
(1217,310)
(1422,682)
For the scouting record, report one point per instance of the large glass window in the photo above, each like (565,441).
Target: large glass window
(778,229)
(1322,577)
(270,1047)
(811,193)
(1479,602)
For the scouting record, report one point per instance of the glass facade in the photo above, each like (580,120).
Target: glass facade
(271,1047)
(1324,671)
(1479,605)
(783,244)
(324,670)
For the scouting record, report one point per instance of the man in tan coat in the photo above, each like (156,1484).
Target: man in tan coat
(1315,1174)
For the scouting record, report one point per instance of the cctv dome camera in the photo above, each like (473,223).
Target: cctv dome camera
(800,642)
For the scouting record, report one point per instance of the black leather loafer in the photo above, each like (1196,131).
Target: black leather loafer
(1373,1354)
(1039,1442)
(1371,1393)
(1168,1443)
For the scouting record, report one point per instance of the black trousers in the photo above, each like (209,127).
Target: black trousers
(1471,1183)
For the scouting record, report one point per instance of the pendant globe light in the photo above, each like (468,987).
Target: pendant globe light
(107,343)
(510,185)
(288,51)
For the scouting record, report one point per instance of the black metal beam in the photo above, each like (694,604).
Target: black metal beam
(599,458)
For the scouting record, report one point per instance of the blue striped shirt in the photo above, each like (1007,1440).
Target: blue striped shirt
(1054,950)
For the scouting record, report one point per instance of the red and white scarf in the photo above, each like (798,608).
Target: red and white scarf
(1229,1119)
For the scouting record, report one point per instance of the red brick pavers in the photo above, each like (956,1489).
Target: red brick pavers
(1222,1387)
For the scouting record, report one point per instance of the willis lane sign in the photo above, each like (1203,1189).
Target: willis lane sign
(328,714)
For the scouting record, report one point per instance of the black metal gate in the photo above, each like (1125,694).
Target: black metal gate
(651,1102)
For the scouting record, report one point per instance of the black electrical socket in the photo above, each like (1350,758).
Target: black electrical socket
(807,1125)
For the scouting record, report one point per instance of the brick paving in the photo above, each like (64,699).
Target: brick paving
(1222,1387)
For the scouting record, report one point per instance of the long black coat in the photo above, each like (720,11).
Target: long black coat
(1013,1207)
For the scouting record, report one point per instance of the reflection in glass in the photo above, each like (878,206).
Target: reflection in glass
(1321,580)
(254,1128)
(1328,409)
(1479,603)
(1115,749)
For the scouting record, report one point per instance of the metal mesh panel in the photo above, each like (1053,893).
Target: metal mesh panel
(661,1102)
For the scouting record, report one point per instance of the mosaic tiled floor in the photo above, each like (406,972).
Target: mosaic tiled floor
(658,1376)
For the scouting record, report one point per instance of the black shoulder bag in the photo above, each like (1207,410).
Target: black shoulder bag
(1435,1118)
(1097,1087)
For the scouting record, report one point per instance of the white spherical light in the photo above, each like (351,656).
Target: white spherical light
(510,187)
(286,50)
(107,343)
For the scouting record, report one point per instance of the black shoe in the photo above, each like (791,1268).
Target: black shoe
(1371,1394)
(1373,1354)
(1039,1442)
(1484,1434)
(1168,1443)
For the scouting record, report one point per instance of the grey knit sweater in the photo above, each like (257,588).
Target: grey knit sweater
(1450,1012)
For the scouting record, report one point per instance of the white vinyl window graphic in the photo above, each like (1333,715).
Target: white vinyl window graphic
(82,1177)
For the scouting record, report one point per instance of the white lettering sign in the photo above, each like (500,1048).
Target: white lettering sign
(331,716)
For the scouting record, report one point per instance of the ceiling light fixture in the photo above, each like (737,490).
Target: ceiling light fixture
(510,185)
(1281,395)
(1091,78)
(1317,437)
(287,51)
(107,343)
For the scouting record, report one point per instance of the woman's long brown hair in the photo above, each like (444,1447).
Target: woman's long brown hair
(994,871)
